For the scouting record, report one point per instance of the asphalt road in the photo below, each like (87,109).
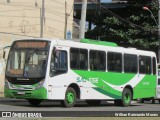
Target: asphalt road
(81,108)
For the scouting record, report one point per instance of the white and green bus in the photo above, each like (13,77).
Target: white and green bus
(67,71)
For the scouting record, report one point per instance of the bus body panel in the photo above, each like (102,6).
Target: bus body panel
(103,85)
(93,85)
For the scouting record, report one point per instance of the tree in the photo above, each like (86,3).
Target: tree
(142,34)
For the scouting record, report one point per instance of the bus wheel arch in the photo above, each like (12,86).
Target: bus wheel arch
(127,96)
(130,88)
(76,88)
(71,95)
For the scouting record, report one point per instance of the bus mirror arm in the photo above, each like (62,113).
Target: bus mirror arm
(4,52)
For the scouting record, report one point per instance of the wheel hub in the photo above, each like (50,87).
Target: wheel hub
(70,97)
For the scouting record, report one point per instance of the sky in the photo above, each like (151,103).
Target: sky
(106,0)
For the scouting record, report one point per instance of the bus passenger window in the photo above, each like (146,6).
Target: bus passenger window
(144,65)
(78,59)
(114,62)
(97,60)
(130,63)
(83,61)
(148,65)
(110,61)
(74,58)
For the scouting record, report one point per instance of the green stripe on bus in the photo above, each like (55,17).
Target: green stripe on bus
(145,88)
(112,95)
(110,77)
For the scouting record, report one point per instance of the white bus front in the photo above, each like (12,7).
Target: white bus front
(26,70)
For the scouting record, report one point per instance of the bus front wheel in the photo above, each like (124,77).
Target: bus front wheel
(34,102)
(70,98)
(126,97)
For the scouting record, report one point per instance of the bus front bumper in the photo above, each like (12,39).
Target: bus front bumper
(40,93)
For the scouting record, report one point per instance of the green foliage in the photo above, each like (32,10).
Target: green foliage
(114,29)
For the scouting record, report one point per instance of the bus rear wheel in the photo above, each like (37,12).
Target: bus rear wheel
(70,98)
(93,102)
(34,102)
(126,97)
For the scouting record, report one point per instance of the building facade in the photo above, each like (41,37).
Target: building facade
(23,18)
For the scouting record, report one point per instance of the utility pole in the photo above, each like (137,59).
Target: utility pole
(159,31)
(66,17)
(42,19)
(83,19)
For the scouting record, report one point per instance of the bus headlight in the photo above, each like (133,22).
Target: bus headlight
(40,84)
(6,84)
(9,85)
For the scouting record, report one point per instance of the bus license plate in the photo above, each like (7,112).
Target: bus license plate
(21,93)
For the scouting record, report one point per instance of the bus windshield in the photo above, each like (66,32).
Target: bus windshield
(27,62)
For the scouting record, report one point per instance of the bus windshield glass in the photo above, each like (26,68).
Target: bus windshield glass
(27,59)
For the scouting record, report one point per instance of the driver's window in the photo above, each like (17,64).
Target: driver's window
(58,62)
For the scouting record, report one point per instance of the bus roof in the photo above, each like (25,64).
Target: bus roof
(84,45)
(96,42)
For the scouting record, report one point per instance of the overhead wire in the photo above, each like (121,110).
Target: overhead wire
(19,16)
(18,5)
(122,19)
(16,10)
(24,7)
(55,29)
(59,15)
(52,34)
(19,26)
(17,34)
(55,1)
(50,11)
(56,20)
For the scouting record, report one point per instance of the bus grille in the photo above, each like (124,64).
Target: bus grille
(26,95)
(29,81)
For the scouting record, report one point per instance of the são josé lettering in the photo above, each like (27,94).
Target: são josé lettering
(92,80)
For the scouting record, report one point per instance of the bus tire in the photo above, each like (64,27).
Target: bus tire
(34,102)
(126,97)
(93,102)
(70,98)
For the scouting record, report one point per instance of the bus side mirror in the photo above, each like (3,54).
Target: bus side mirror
(4,54)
